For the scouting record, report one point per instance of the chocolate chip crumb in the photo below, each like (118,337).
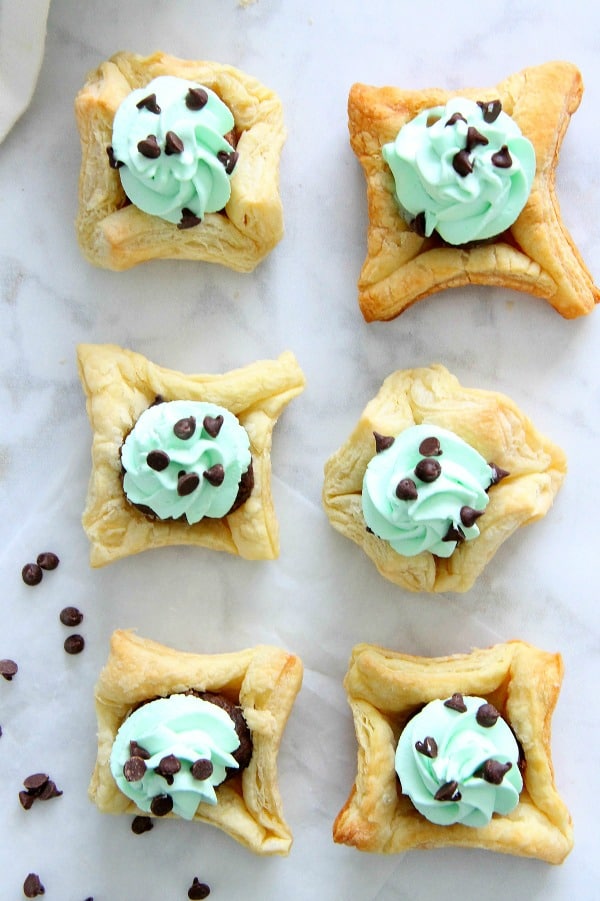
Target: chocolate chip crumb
(173,144)
(188,219)
(32,574)
(502,159)
(468,516)
(150,104)
(187,483)
(487,715)
(215,475)
(448,792)
(149,147)
(428,470)
(70,616)
(198,890)
(158,460)
(430,447)
(74,644)
(212,425)
(134,769)
(202,769)
(140,824)
(161,805)
(32,887)
(196,98)
(47,560)
(456,702)
(8,669)
(491,110)
(185,428)
(428,747)
(406,490)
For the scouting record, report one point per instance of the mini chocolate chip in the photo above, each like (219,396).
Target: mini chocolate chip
(430,447)
(8,669)
(456,702)
(493,771)
(215,475)
(490,109)
(159,399)
(36,782)
(454,533)
(428,470)
(487,716)
(173,144)
(188,219)
(158,460)
(140,824)
(185,428)
(382,442)
(428,747)
(136,750)
(474,138)
(502,159)
(212,425)
(49,791)
(202,769)
(168,766)
(187,483)
(26,799)
(74,644)
(47,560)
(461,163)
(149,147)
(113,162)
(228,160)
(468,516)
(198,890)
(448,792)
(32,574)
(70,616)
(161,805)
(406,490)
(134,769)
(196,98)
(32,887)
(150,104)
(419,225)
(497,473)
(454,118)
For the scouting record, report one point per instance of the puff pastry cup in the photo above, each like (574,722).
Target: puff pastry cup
(536,254)
(386,688)
(117,236)
(263,680)
(488,421)
(119,385)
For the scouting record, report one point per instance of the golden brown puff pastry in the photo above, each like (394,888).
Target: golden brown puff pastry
(263,680)
(489,422)
(386,688)
(117,236)
(119,385)
(536,254)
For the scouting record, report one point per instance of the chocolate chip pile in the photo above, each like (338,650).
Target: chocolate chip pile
(38,787)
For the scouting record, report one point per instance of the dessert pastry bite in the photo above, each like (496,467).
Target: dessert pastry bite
(455,751)
(195,736)
(460,189)
(435,477)
(181,459)
(180,159)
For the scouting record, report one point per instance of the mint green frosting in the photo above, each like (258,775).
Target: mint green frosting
(188,728)
(194,179)
(457,765)
(422,523)
(160,489)
(467,207)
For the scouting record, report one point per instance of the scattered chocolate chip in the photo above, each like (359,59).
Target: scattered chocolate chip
(497,473)
(215,475)
(74,644)
(150,104)
(419,225)
(187,483)
(185,428)
(502,159)
(32,574)
(468,516)
(188,219)
(202,769)
(32,887)
(49,791)
(430,447)
(448,792)
(113,162)
(461,163)
(70,616)
(454,533)
(493,771)
(456,702)
(40,787)
(134,769)
(212,425)
(149,147)
(428,470)
(491,110)
(139,825)
(228,160)
(47,560)
(161,805)
(454,118)
(173,144)
(487,715)
(136,750)
(428,747)
(8,669)
(168,766)
(474,138)
(158,460)
(36,782)
(406,490)
(196,98)
(198,890)
(26,800)
(382,442)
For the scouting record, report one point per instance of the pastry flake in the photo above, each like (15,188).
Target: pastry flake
(263,680)
(119,385)
(386,688)
(117,235)
(488,421)
(536,254)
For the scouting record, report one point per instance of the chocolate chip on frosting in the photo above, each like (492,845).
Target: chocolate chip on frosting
(428,747)
(454,118)
(113,162)
(47,560)
(8,669)
(141,824)
(158,460)
(406,490)
(150,104)
(448,792)
(502,159)
(430,447)
(149,147)
(468,516)
(454,533)
(202,769)
(32,574)
(456,702)
(173,144)
(474,138)
(382,442)
(461,163)
(32,887)
(198,890)
(185,428)
(228,160)
(214,475)
(161,805)
(490,109)
(188,219)
(212,425)
(428,470)
(134,769)
(168,766)
(487,716)
(196,98)
(136,750)
(497,473)
(187,483)
(419,225)
(493,771)
(70,616)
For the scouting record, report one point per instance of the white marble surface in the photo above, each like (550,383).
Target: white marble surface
(322,595)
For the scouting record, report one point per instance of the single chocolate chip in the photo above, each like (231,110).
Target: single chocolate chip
(149,147)
(448,792)
(112,161)
(461,163)
(36,782)
(150,104)
(454,533)
(215,475)
(74,644)
(428,747)
(202,769)
(70,616)
(419,225)
(468,516)
(212,425)
(456,702)
(428,470)
(139,825)
(173,144)
(228,160)
(185,428)
(491,110)
(158,460)
(382,442)
(168,766)
(47,560)
(430,447)
(187,483)
(159,399)
(198,890)
(487,715)
(454,118)
(474,138)
(406,490)
(196,98)
(502,159)
(161,805)
(134,769)
(136,750)
(497,473)
(32,887)
(8,669)
(27,799)
(493,771)
(49,791)
(32,574)
(188,219)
